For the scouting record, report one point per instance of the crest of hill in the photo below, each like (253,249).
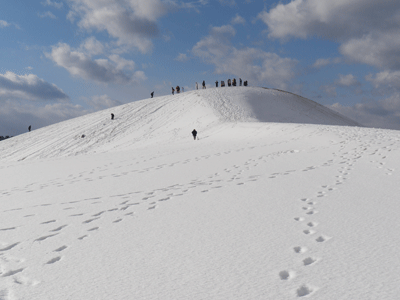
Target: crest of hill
(166,119)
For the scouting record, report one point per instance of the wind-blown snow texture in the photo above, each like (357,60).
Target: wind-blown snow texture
(272,202)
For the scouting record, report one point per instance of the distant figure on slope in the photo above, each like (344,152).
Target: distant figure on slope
(245,83)
(177,89)
(229,82)
(112,116)
(204,84)
(173,91)
(240,81)
(194,133)
(197,86)
(234,82)
(29,128)
(152,94)
(222,83)
(216,83)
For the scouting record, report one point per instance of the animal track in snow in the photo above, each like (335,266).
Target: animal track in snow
(9,247)
(53,260)
(299,219)
(309,261)
(310,232)
(13,272)
(61,248)
(322,239)
(311,212)
(299,249)
(286,275)
(45,237)
(304,290)
(312,224)
(93,229)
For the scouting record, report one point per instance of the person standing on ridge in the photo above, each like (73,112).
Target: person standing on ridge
(29,128)
(152,94)
(204,84)
(197,86)
(240,81)
(216,83)
(173,91)
(112,116)
(194,133)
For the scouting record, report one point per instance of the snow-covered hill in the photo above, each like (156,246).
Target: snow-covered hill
(255,209)
(167,119)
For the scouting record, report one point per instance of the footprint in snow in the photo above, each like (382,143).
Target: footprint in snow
(286,275)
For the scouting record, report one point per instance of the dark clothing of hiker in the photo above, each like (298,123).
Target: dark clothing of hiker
(216,83)
(229,82)
(222,83)
(112,116)
(234,82)
(197,86)
(29,128)
(152,94)
(240,81)
(204,84)
(194,133)
(173,91)
(245,83)
(177,89)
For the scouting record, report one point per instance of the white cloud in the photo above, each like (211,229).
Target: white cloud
(347,80)
(92,46)
(100,70)
(182,57)
(132,22)
(367,30)
(323,62)
(52,3)
(102,102)
(28,87)
(380,49)
(4,24)
(47,14)
(384,113)
(238,20)
(386,78)
(250,64)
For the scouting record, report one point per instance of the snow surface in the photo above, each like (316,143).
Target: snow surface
(272,202)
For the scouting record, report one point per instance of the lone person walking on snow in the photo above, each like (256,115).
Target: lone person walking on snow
(204,84)
(112,116)
(194,133)
(152,94)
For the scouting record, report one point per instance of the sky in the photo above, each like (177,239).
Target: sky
(63,59)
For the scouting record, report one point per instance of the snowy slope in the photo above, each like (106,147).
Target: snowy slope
(251,210)
(167,119)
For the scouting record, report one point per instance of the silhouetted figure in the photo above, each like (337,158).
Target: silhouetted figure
(177,89)
(29,128)
(245,83)
(194,133)
(222,83)
(240,81)
(234,82)
(173,91)
(152,94)
(216,83)
(112,116)
(204,84)
(229,82)
(197,86)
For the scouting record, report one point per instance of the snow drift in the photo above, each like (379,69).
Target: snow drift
(255,209)
(167,119)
